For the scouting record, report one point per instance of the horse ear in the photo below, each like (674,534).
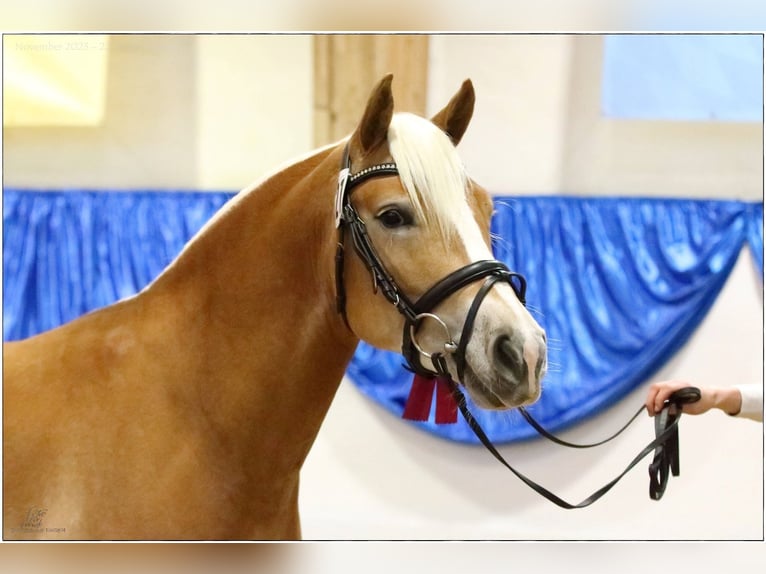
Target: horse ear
(456,116)
(371,131)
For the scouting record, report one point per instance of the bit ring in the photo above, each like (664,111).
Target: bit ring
(449,347)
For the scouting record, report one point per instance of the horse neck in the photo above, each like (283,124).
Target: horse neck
(257,324)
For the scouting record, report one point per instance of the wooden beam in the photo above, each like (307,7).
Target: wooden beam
(347,67)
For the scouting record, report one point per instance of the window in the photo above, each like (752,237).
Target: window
(683,77)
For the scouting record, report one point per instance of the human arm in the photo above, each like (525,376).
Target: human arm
(742,400)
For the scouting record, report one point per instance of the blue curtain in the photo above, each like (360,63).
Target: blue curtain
(68,252)
(755,234)
(618,284)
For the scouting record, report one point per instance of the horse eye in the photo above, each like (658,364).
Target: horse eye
(393,218)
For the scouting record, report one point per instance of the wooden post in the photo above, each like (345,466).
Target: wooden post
(347,67)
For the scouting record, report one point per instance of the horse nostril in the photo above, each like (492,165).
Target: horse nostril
(509,358)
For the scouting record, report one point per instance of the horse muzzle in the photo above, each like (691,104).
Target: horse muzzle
(520,364)
(520,361)
(501,354)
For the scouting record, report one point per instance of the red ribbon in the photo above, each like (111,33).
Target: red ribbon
(418,406)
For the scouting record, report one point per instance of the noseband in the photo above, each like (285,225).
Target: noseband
(415,313)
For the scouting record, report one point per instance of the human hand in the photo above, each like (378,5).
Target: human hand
(728,400)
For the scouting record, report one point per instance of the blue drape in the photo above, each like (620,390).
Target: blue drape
(755,234)
(618,284)
(69,252)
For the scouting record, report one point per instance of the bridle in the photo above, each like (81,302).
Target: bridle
(665,444)
(414,313)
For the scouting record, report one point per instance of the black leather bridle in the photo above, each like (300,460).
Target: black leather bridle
(492,271)
(665,444)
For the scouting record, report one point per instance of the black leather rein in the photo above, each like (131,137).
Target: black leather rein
(665,444)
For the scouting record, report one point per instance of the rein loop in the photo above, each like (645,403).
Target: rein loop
(666,431)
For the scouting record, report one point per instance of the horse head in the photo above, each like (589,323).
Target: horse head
(420,229)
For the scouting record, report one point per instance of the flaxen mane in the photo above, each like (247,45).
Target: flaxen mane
(430,170)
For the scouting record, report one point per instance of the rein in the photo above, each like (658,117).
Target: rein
(449,397)
(665,446)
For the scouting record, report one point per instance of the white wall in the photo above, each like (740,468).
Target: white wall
(240,82)
(515,141)
(181,112)
(537,126)
(217,112)
(146,139)
(652,158)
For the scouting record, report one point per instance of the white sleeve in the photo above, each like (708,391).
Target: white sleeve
(752,402)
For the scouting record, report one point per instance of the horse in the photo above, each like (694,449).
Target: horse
(186,411)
